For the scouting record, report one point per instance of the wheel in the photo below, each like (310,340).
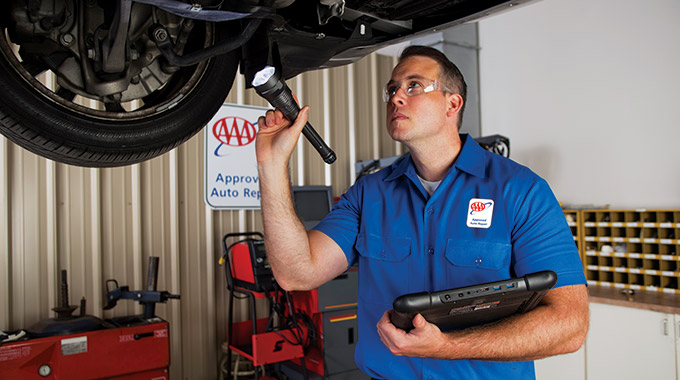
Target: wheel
(129,127)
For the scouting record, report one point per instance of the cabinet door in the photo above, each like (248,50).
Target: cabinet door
(625,343)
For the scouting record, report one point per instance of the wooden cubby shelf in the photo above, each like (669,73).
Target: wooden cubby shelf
(630,249)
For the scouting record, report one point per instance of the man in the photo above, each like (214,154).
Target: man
(409,228)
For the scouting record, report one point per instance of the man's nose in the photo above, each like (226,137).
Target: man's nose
(399,97)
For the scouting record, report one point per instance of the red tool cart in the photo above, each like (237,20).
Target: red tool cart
(261,340)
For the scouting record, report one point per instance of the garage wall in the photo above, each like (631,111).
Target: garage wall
(101,224)
(587,92)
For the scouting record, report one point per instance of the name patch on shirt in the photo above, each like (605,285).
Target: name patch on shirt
(480,212)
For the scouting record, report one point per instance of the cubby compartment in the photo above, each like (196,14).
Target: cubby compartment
(572,217)
(666,233)
(634,248)
(603,217)
(605,261)
(651,264)
(606,276)
(650,233)
(618,232)
(668,282)
(592,260)
(634,263)
(633,232)
(664,217)
(620,248)
(667,250)
(618,217)
(650,248)
(590,246)
(669,265)
(574,231)
(636,279)
(632,217)
(652,280)
(589,216)
(619,262)
(590,231)
(648,217)
(621,277)
(604,247)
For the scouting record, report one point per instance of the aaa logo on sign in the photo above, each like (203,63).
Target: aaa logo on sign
(234,131)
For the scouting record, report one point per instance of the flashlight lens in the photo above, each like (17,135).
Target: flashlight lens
(263,76)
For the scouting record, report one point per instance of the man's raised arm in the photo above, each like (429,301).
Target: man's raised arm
(299,260)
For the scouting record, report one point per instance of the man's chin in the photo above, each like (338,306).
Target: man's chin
(399,135)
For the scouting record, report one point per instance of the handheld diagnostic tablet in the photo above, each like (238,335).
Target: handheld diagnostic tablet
(460,308)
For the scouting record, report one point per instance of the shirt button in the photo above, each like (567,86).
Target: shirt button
(382,253)
(430,210)
(430,251)
(478,260)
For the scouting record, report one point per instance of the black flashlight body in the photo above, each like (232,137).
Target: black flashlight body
(279,96)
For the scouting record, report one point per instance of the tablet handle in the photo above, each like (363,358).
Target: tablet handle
(403,321)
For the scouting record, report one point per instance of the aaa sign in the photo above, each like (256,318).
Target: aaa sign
(231,179)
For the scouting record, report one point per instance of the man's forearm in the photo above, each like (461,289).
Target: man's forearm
(285,237)
(550,329)
(557,326)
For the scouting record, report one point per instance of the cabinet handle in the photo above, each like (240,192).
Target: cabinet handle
(665,327)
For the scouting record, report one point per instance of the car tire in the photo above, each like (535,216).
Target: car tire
(38,121)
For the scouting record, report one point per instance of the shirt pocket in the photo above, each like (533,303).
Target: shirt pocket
(474,262)
(384,248)
(383,267)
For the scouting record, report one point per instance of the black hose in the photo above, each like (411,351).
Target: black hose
(161,37)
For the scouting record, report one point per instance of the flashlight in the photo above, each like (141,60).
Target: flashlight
(270,86)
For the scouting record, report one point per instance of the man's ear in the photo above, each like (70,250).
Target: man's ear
(455,103)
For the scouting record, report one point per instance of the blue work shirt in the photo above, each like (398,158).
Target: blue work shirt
(490,219)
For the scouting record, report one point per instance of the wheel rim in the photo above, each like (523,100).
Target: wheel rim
(170,94)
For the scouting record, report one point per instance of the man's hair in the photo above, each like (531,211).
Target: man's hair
(450,75)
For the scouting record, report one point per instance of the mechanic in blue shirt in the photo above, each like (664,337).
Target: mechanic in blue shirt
(449,214)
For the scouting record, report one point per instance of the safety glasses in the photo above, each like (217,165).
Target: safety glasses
(412,87)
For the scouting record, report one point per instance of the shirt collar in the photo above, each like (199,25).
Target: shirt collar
(472,157)
(471,160)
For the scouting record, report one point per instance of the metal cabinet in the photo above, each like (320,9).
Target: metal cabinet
(626,343)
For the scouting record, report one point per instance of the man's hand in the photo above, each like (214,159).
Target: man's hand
(425,340)
(276,137)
